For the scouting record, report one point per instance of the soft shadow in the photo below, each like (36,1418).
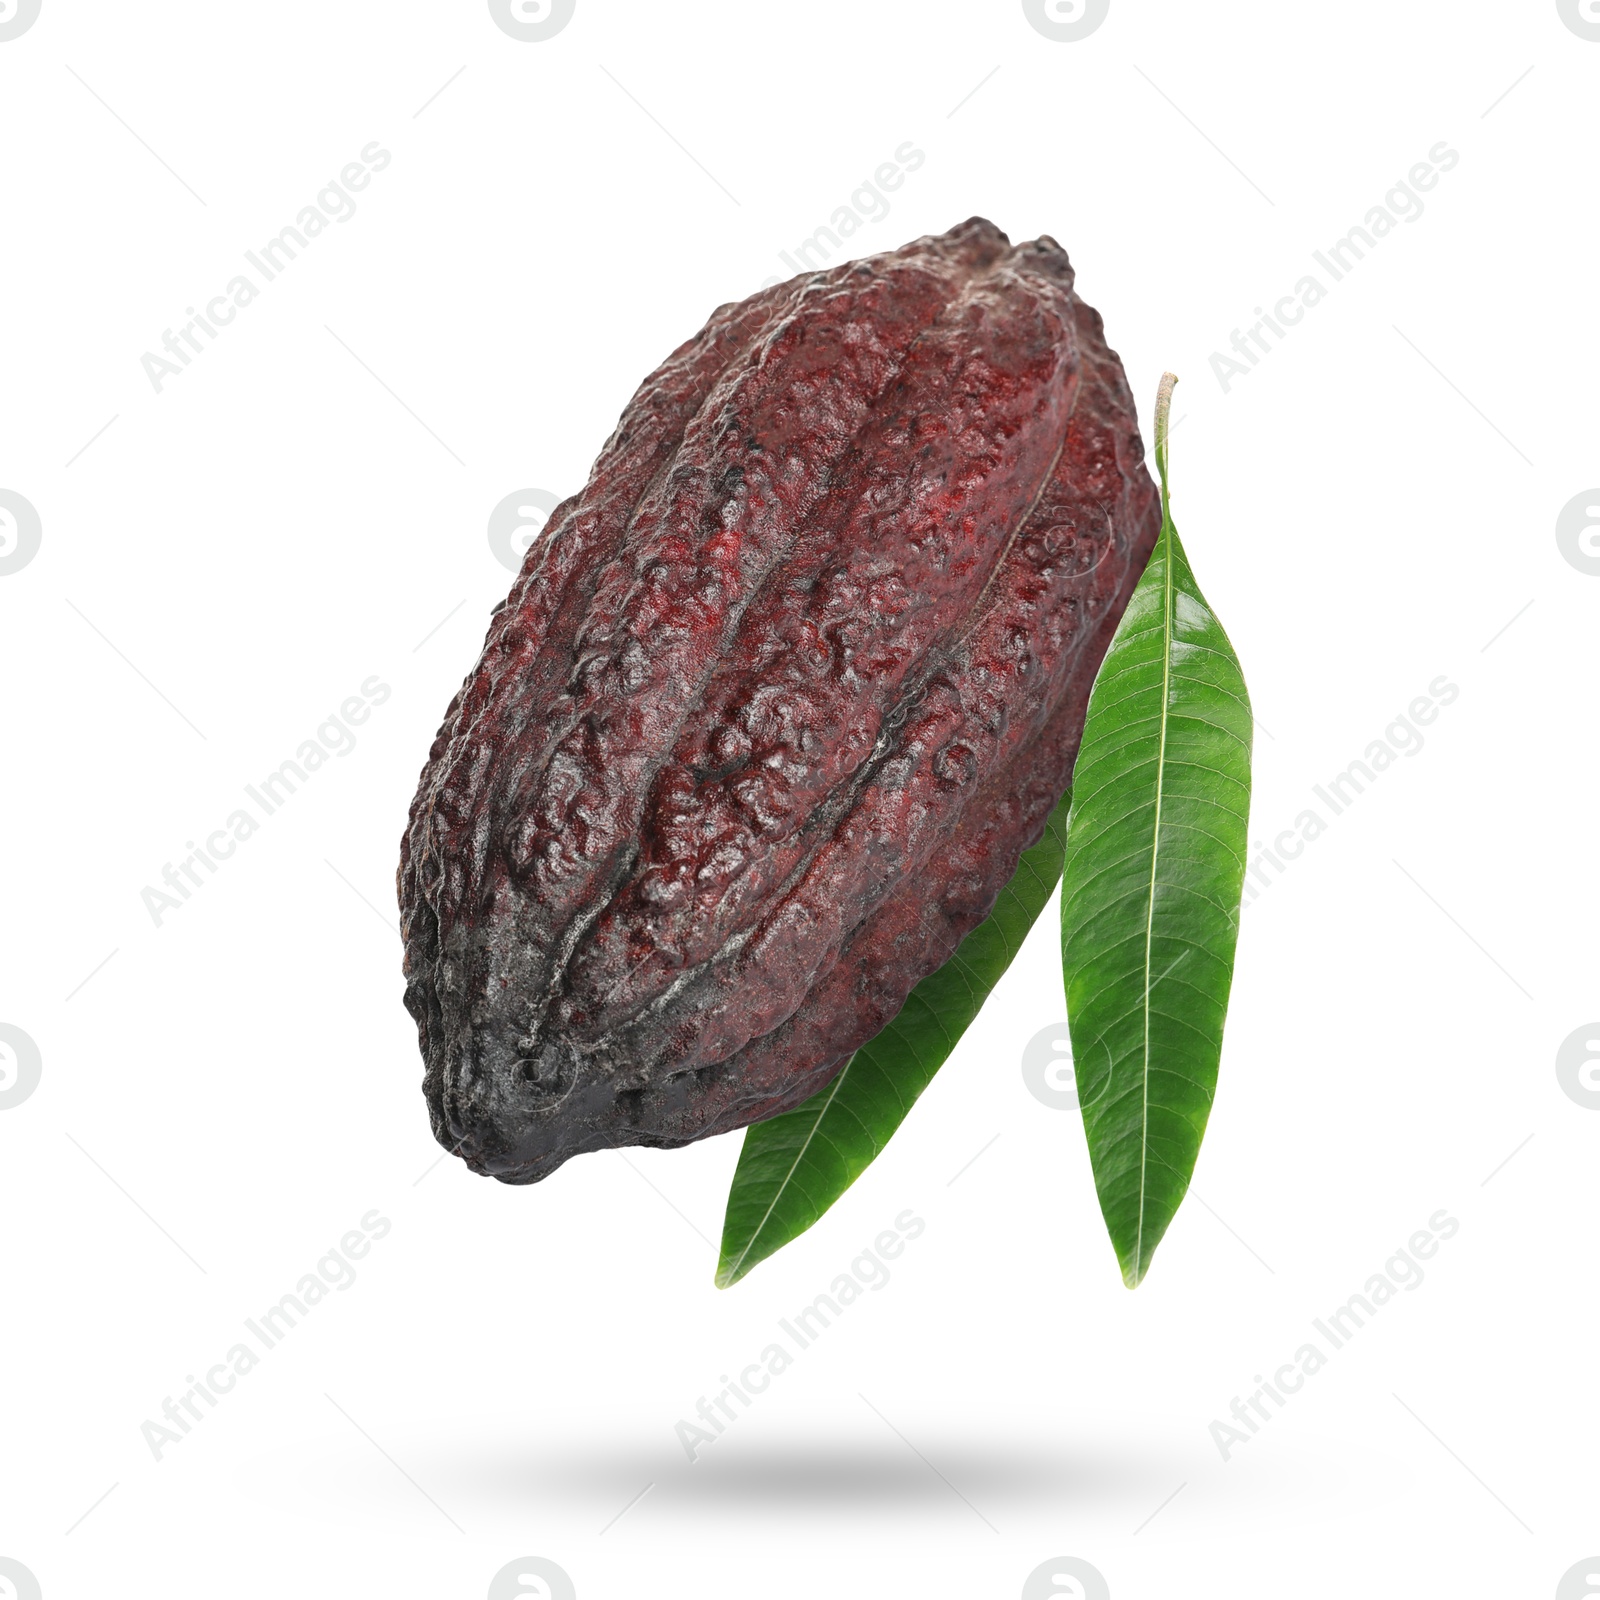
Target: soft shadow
(763,1474)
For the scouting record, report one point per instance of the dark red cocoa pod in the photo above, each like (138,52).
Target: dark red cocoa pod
(774,705)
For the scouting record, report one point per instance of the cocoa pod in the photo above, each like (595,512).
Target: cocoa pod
(774,705)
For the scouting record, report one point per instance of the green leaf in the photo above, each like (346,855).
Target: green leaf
(1154,868)
(792,1167)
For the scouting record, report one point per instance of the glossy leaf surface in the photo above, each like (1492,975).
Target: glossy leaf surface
(1155,863)
(794,1166)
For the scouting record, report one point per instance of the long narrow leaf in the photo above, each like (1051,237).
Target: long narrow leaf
(794,1166)
(1155,862)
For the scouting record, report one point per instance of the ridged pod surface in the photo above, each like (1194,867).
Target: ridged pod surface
(774,705)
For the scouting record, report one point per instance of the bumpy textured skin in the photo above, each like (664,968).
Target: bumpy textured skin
(774,704)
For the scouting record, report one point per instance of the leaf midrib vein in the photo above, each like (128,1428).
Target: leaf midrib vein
(784,1182)
(1168,538)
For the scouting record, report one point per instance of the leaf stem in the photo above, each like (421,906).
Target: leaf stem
(1169,381)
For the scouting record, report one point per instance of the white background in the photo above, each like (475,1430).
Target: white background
(306,506)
